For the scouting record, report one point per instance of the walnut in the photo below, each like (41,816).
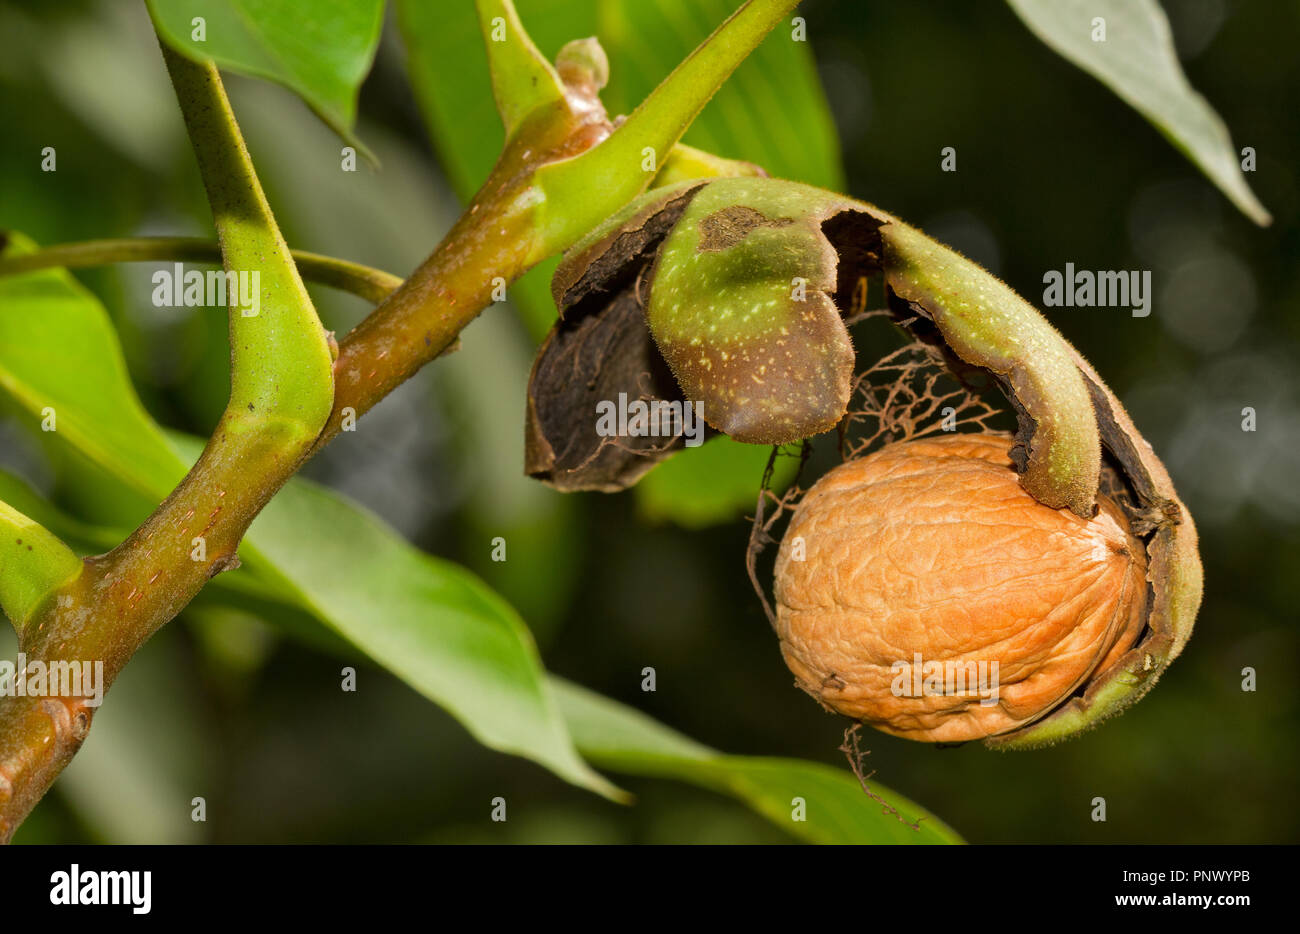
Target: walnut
(922,590)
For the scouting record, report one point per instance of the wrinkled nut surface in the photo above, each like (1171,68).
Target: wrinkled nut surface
(936,600)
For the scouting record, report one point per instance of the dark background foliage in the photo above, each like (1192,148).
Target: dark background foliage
(1051,169)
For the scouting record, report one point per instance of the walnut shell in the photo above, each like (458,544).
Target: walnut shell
(927,556)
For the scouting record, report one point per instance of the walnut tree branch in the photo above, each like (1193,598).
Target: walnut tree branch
(280,410)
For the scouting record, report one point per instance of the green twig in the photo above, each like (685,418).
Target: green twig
(522,79)
(281,392)
(619,168)
(280,360)
(374,285)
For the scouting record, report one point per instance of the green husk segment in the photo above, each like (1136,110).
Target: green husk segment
(740,306)
(614,251)
(987,324)
(1174,576)
(34,564)
(1074,417)
(685,163)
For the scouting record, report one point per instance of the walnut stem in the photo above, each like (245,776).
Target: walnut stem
(280,394)
(374,285)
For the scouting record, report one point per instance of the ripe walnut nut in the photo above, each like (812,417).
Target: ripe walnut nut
(932,551)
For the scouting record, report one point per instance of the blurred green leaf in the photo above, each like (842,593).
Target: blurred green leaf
(321,52)
(431,623)
(81,536)
(777,86)
(836,808)
(704,486)
(538,525)
(34,564)
(135,779)
(92,535)
(60,360)
(1137,61)
(251,592)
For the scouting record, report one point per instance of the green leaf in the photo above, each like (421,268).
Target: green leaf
(34,564)
(443,632)
(60,360)
(321,52)
(428,621)
(1137,61)
(836,808)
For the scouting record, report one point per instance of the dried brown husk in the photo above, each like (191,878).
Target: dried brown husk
(600,347)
